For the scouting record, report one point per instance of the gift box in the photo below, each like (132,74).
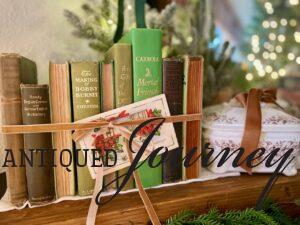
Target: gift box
(224,126)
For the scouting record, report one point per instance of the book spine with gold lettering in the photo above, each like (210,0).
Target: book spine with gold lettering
(117,88)
(38,146)
(147,82)
(85,86)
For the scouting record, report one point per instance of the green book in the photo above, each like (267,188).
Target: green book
(117,90)
(85,87)
(147,81)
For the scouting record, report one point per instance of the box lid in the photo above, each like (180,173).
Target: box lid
(231,117)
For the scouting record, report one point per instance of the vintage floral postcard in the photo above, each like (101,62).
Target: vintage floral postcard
(109,138)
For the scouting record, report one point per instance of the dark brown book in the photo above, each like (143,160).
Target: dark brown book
(173,89)
(39,169)
(14,70)
(193,104)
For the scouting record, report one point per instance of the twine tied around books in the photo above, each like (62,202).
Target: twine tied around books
(81,129)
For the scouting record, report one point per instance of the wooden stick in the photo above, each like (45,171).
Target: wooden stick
(54,127)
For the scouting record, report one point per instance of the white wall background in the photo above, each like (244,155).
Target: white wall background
(38,30)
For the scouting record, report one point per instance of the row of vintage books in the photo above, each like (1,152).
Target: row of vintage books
(132,70)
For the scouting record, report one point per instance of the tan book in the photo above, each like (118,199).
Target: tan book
(14,70)
(192,103)
(85,85)
(59,79)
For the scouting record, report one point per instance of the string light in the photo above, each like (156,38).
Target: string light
(110,22)
(261,73)
(281,72)
(265,24)
(298,60)
(274,75)
(283,22)
(294,2)
(297,36)
(273,24)
(129,7)
(273,56)
(256,49)
(281,38)
(249,76)
(278,49)
(267,45)
(269,8)
(291,56)
(269,69)
(293,23)
(251,57)
(265,55)
(272,36)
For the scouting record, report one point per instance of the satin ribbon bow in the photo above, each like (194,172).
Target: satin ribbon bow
(253,122)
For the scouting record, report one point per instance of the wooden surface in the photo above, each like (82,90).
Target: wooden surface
(225,193)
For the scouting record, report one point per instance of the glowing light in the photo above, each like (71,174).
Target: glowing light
(283,22)
(269,69)
(281,72)
(278,49)
(249,76)
(265,55)
(273,24)
(274,75)
(272,36)
(129,7)
(281,38)
(298,60)
(265,24)
(261,73)
(294,2)
(189,39)
(251,57)
(297,36)
(266,45)
(269,8)
(273,56)
(291,56)
(110,22)
(256,49)
(293,23)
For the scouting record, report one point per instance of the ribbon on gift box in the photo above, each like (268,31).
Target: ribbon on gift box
(81,129)
(252,130)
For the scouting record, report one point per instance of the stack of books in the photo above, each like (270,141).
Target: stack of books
(132,70)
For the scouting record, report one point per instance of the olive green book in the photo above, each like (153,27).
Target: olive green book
(147,81)
(117,87)
(85,86)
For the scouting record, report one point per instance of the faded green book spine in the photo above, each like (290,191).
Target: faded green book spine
(85,87)
(147,82)
(120,55)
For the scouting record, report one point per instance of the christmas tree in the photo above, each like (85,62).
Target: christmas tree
(273,40)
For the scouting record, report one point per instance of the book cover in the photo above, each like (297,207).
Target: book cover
(147,81)
(173,89)
(59,80)
(14,70)
(38,146)
(85,86)
(118,70)
(193,81)
(98,138)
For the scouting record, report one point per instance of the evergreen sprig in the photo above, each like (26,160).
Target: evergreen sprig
(271,215)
